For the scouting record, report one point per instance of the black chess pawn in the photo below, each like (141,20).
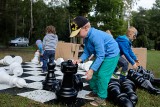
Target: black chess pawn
(129,88)
(67,93)
(147,74)
(50,83)
(115,94)
(140,81)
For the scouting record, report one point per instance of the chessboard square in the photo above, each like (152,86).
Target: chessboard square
(35,85)
(16,90)
(25,75)
(31,66)
(39,95)
(33,69)
(29,63)
(35,73)
(81,72)
(35,78)
(4,86)
(26,65)
(29,81)
(59,77)
(57,68)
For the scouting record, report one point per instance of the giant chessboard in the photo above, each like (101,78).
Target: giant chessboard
(34,77)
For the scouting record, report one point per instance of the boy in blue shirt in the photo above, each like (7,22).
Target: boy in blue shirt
(40,48)
(125,43)
(106,53)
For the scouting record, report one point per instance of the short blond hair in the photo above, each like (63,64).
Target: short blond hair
(131,29)
(51,29)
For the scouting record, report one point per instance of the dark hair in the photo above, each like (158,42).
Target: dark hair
(51,29)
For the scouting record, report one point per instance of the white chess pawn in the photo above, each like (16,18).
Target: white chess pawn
(85,66)
(36,57)
(16,69)
(18,59)
(80,65)
(7,60)
(59,61)
(11,80)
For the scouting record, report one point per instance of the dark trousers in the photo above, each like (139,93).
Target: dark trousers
(122,62)
(49,55)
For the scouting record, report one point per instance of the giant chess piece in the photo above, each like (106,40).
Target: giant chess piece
(16,69)
(7,60)
(18,59)
(147,74)
(50,83)
(78,84)
(59,61)
(11,80)
(129,88)
(35,60)
(67,93)
(138,79)
(85,66)
(115,94)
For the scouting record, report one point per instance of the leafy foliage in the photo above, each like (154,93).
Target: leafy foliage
(147,23)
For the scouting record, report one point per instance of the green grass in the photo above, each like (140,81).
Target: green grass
(153,62)
(144,98)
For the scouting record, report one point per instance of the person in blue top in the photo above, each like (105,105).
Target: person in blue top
(49,46)
(106,53)
(125,44)
(40,48)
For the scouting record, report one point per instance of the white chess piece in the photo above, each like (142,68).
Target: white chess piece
(85,66)
(7,60)
(36,57)
(11,80)
(16,69)
(59,61)
(18,59)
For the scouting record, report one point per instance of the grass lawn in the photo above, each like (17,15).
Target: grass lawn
(144,98)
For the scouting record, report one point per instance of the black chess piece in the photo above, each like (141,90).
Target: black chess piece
(78,84)
(129,88)
(67,93)
(147,74)
(50,83)
(138,79)
(115,94)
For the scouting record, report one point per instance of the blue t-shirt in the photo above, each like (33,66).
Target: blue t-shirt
(125,48)
(101,44)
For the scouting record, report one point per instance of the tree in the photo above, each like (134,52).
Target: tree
(147,23)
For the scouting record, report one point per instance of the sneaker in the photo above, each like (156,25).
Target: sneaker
(91,95)
(115,76)
(124,73)
(98,102)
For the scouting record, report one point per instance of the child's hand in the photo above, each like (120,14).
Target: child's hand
(89,74)
(77,61)
(137,62)
(135,66)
